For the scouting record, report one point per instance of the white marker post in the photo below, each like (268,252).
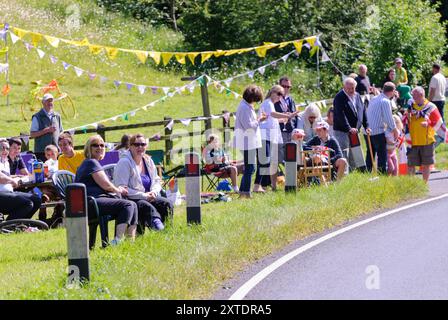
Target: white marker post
(193,188)
(291,167)
(76,226)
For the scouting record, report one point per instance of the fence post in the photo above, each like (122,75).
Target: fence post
(168,141)
(100,130)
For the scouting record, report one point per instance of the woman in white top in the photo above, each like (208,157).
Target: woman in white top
(307,120)
(271,139)
(247,136)
(4,152)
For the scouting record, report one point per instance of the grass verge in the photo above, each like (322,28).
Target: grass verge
(191,262)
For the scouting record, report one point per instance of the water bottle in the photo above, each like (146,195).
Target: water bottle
(38,171)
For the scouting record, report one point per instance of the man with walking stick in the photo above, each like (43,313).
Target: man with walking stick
(379,116)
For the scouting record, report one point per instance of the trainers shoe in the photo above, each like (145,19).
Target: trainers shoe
(157,224)
(115,242)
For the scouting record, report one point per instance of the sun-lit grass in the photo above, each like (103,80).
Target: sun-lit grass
(191,262)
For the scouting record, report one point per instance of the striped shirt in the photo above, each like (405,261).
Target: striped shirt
(379,114)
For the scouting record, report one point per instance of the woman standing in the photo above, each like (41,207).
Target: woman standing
(271,140)
(108,197)
(247,134)
(137,172)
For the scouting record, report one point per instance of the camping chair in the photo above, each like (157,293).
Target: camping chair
(313,170)
(61,179)
(111,157)
(109,170)
(158,157)
(213,177)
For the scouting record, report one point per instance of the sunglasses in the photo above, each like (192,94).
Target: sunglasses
(96,145)
(280,94)
(286,87)
(139,144)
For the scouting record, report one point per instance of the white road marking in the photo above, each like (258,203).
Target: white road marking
(255,280)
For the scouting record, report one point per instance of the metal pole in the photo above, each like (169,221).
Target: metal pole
(7,62)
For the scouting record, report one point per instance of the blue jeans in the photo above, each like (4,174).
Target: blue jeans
(249,168)
(378,148)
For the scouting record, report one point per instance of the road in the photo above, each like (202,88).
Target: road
(403,255)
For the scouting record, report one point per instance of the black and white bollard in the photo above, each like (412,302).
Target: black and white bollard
(290,167)
(77,240)
(193,188)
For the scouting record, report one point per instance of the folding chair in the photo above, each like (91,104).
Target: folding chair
(158,157)
(110,157)
(313,170)
(213,177)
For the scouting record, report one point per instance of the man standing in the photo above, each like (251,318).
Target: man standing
(285,105)
(437,88)
(423,120)
(45,127)
(401,73)
(349,116)
(363,86)
(379,116)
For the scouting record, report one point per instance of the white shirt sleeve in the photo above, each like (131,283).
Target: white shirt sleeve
(34,125)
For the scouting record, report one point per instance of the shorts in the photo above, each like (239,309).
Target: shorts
(421,155)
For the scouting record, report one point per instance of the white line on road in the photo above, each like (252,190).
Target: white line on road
(255,280)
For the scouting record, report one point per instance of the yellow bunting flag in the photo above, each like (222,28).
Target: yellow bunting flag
(141,55)
(298,44)
(53,41)
(313,50)
(206,55)
(36,38)
(311,40)
(4,50)
(95,49)
(219,53)
(180,57)
(20,32)
(231,52)
(155,56)
(111,52)
(283,44)
(192,56)
(166,57)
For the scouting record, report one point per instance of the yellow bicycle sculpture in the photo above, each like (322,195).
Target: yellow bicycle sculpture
(62,101)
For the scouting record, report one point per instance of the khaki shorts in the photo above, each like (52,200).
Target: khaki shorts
(421,155)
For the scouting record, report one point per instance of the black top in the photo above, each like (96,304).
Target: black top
(291,107)
(15,165)
(348,115)
(331,143)
(84,175)
(363,84)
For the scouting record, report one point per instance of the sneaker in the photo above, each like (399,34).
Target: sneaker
(157,224)
(115,242)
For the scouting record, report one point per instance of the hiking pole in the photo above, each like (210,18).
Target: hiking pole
(371,153)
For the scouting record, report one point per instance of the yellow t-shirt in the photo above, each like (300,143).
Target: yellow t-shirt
(420,136)
(401,76)
(71,164)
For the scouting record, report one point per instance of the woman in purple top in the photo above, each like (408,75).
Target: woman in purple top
(137,172)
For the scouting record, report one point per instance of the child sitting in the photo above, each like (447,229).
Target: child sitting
(217,161)
(392,144)
(51,154)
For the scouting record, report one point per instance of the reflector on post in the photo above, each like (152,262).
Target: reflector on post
(193,191)
(290,167)
(291,152)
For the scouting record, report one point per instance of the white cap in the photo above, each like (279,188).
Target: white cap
(322,124)
(47,96)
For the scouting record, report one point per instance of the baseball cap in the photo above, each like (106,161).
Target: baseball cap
(398,60)
(322,124)
(47,96)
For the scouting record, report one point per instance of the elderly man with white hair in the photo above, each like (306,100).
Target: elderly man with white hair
(349,116)
(46,126)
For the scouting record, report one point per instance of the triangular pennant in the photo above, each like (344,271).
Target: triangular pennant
(111,52)
(228,82)
(325,57)
(261,51)
(152,104)
(219,53)
(132,113)
(261,70)
(185,122)
(231,52)
(307,45)
(66,65)
(251,74)
(40,53)
(226,116)
(125,117)
(103,79)
(155,56)
(129,86)
(71,131)
(313,50)
(180,57)
(94,125)
(221,89)
(6,89)
(191,88)
(141,89)
(28,46)
(14,38)
(4,67)
(192,56)
(3,34)
(170,94)
(165,90)
(20,32)
(170,125)
(324,104)
(283,44)
(228,91)
(298,45)
(205,56)
(236,94)
(92,76)
(144,108)
(117,83)
(78,71)
(317,42)
(154,90)
(53,59)
(26,139)
(95,49)
(141,55)
(53,41)
(285,57)
(166,57)
(311,41)
(36,38)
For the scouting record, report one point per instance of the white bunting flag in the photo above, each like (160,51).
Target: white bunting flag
(226,116)
(228,82)
(165,90)
(170,125)
(285,57)
(141,89)
(185,122)
(71,131)
(66,65)
(94,125)
(28,46)
(78,71)
(132,114)
(191,88)
(144,108)
(53,59)
(40,53)
(14,38)
(261,70)
(325,57)
(236,94)
(4,67)
(92,76)
(26,139)
(251,74)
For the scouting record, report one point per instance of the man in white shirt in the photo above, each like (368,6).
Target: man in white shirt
(437,88)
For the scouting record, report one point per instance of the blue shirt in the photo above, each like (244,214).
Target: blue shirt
(146,180)
(84,175)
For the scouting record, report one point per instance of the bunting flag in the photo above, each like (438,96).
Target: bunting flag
(4,67)
(165,57)
(6,89)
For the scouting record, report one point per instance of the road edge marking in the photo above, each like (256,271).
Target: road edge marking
(243,290)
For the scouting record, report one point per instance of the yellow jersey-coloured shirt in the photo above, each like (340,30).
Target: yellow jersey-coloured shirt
(401,76)
(71,164)
(421,136)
